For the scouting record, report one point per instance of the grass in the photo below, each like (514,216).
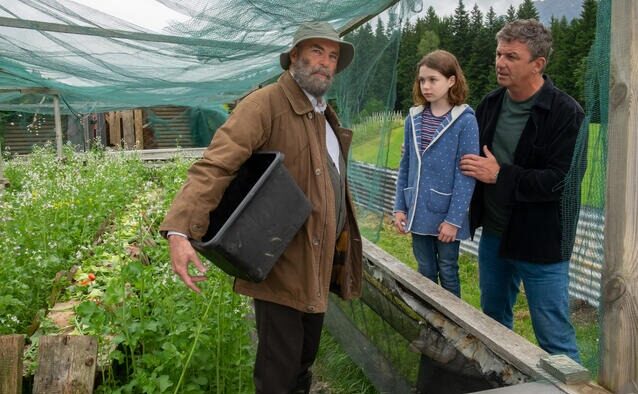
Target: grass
(335,372)
(593,185)
(370,138)
(368,148)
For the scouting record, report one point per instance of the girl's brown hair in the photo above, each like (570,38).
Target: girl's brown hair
(445,63)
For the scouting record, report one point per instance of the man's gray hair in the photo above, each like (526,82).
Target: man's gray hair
(531,32)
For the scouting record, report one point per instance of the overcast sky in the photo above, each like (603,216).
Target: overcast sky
(154,16)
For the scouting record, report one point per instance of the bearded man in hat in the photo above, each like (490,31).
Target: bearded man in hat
(290,116)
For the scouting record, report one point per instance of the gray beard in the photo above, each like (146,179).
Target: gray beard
(302,73)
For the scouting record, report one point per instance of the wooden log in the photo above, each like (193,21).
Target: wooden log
(11,349)
(619,342)
(128,129)
(66,364)
(138,114)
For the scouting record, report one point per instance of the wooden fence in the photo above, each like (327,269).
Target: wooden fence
(66,364)
(374,188)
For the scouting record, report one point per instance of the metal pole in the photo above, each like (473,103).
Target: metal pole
(58,125)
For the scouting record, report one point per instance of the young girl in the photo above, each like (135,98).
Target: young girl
(433,196)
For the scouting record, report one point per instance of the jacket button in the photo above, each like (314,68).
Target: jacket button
(310,115)
(315,241)
(311,308)
(318,171)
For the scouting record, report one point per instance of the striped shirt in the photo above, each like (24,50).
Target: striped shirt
(429,125)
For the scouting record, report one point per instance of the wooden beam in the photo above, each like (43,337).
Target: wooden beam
(128,129)
(428,298)
(58,125)
(29,90)
(619,331)
(115,129)
(11,349)
(139,128)
(131,35)
(2,180)
(66,364)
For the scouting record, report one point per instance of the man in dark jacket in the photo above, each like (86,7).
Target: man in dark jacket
(528,130)
(290,116)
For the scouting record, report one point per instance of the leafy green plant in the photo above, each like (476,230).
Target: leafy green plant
(50,216)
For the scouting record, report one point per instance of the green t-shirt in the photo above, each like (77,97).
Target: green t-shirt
(509,127)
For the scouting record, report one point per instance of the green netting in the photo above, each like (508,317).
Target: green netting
(226,48)
(99,63)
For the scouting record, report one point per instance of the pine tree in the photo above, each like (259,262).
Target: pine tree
(408,58)
(527,10)
(477,64)
(560,67)
(585,35)
(460,40)
(476,20)
(511,14)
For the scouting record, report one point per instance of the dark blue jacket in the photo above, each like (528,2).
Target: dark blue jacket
(540,228)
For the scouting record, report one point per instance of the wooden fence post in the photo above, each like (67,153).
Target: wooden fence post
(66,364)
(11,349)
(2,180)
(128,129)
(619,331)
(138,114)
(115,127)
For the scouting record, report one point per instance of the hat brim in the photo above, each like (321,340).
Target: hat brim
(346,54)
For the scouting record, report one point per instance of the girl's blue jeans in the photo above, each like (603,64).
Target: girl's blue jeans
(438,261)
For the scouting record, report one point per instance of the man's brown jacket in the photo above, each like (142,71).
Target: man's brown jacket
(280,117)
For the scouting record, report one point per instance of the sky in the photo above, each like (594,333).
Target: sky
(154,16)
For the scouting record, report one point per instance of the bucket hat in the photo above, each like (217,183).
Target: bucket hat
(323,30)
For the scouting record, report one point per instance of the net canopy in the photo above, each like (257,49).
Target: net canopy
(216,52)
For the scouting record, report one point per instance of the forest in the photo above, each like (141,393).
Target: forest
(470,35)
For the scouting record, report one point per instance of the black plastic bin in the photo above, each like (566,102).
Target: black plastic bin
(259,214)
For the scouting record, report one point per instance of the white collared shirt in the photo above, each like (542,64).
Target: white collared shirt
(332,144)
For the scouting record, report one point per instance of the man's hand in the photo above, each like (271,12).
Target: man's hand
(447,232)
(400,220)
(182,253)
(484,169)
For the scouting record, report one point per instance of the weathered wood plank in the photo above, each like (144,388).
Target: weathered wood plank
(619,342)
(364,353)
(128,129)
(11,349)
(565,369)
(454,312)
(138,114)
(115,133)
(398,318)
(66,364)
